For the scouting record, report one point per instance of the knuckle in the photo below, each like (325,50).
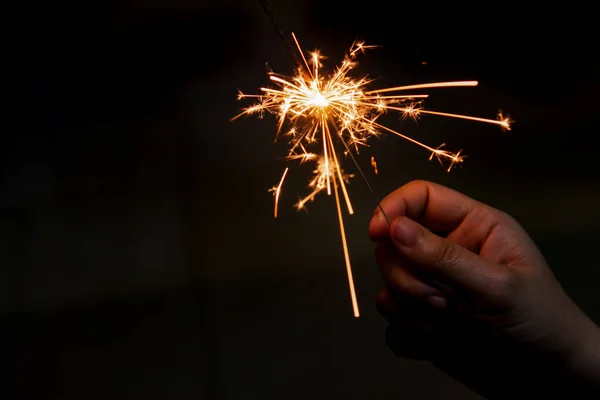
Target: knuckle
(382,298)
(417,182)
(400,283)
(403,283)
(506,219)
(504,287)
(380,254)
(446,253)
(382,303)
(382,260)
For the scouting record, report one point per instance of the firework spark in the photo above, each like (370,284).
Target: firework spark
(325,116)
(374,165)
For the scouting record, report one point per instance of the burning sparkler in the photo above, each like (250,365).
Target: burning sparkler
(325,116)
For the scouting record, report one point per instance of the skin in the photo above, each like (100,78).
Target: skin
(467,289)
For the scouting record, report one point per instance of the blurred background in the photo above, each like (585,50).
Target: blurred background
(139,255)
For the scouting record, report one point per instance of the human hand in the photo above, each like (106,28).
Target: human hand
(467,289)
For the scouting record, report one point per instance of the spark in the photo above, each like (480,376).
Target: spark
(334,114)
(374,165)
(277,191)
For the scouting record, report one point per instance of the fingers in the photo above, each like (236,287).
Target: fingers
(394,306)
(444,261)
(386,305)
(438,208)
(403,282)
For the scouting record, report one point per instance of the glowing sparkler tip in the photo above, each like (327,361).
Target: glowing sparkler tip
(316,58)
(504,122)
(411,111)
(322,109)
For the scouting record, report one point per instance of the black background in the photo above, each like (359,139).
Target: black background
(140,257)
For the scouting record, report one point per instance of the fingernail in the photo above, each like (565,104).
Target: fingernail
(406,232)
(376,217)
(376,214)
(436,302)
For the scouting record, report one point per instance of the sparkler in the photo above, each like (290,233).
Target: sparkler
(326,117)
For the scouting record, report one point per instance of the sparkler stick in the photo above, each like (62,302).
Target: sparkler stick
(322,110)
(267,9)
(365,180)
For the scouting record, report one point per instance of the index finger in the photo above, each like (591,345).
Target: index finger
(438,208)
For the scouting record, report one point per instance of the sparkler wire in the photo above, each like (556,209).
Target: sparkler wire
(267,9)
(362,174)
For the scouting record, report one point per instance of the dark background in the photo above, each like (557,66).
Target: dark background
(139,254)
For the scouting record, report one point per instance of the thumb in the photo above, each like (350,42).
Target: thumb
(446,261)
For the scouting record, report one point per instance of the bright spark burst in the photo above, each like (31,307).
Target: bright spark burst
(327,116)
